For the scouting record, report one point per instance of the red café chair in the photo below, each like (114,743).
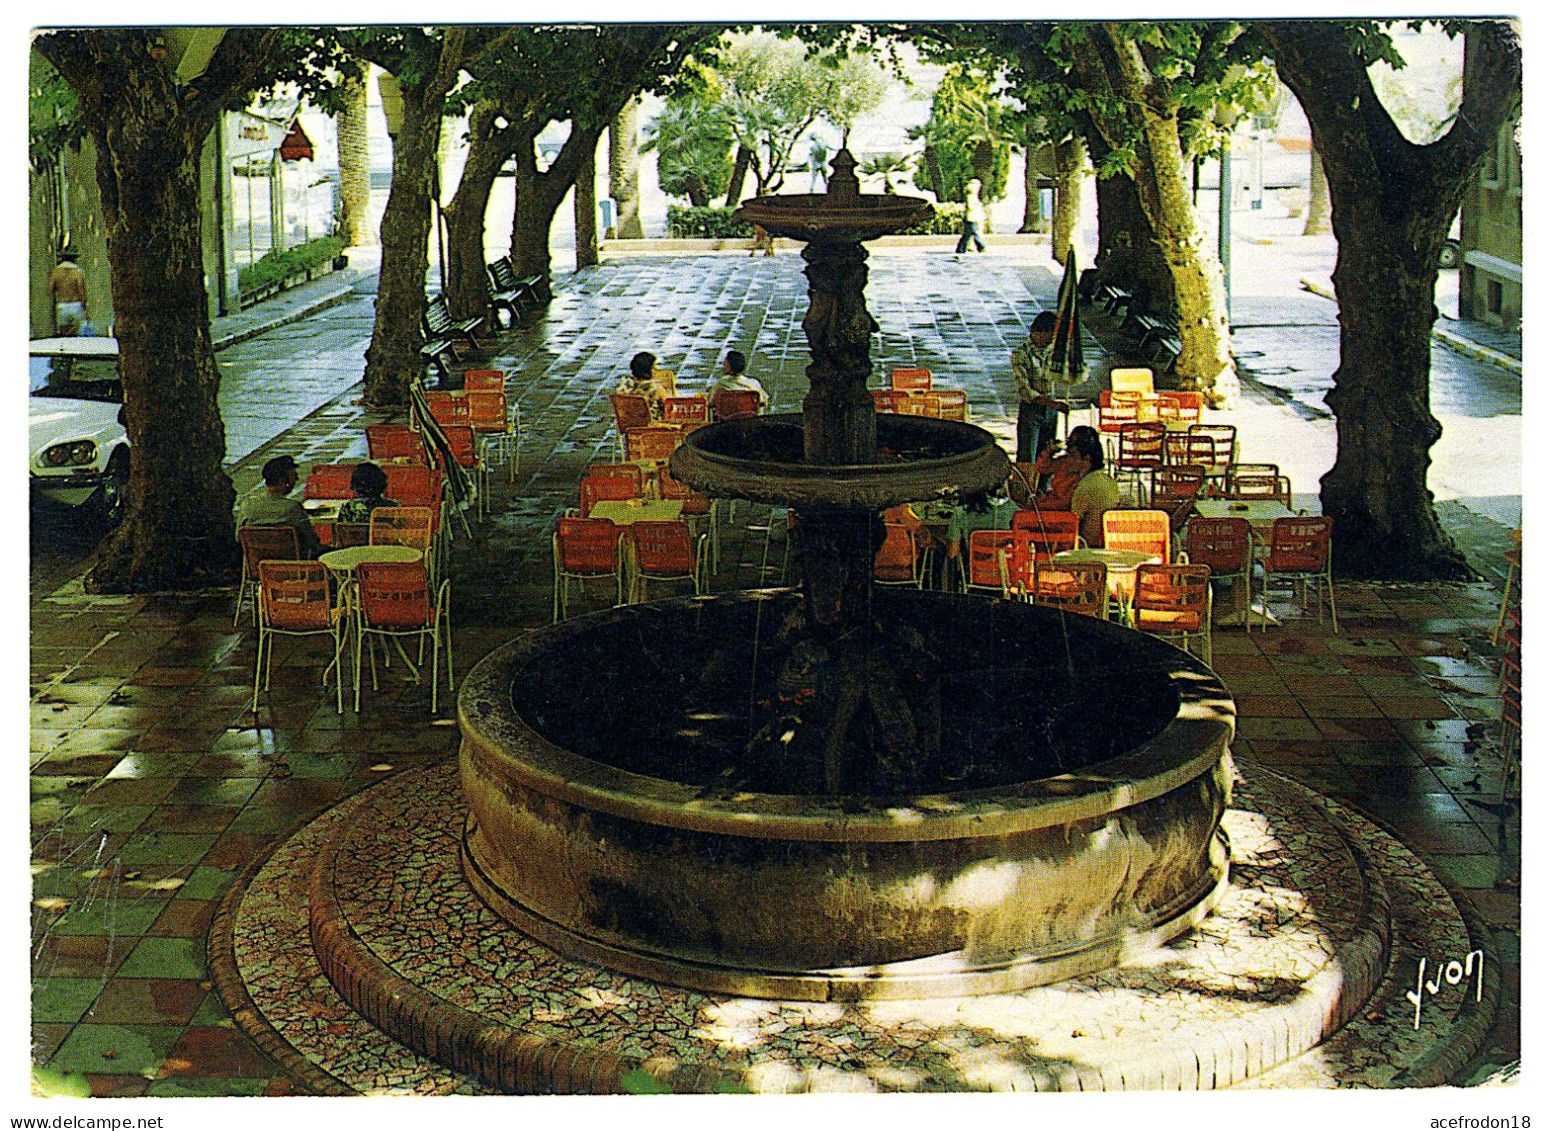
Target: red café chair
(1300,551)
(484,380)
(686,412)
(631,412)
(582,550)
(395,601)
(696,508)
(330,481)
(294,599)
(1000,562)
(262,542)
(1071,587)
(655,443)
(495,423)
(734,404)
(888,400)
(1224,545)
(900,560)
(1139,454)
(462,449)
(598,488)
(1049,532)
(1173,601)
(665,551)
(910,380)
(394,442)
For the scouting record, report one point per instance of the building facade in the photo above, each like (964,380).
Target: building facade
(1491,236)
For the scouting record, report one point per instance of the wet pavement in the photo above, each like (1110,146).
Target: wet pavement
(154,785)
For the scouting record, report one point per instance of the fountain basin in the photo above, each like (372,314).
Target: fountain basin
(1061,835)
(831,217)
(761,459)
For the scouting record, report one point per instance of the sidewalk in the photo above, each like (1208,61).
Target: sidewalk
(155,785)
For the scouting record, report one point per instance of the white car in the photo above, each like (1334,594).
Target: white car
(78,447)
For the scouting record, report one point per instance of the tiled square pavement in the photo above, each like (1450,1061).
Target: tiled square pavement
(153,783)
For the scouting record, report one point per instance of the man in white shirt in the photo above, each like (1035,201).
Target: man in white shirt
(732,379)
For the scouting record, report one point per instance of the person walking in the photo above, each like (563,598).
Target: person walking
(1037,408)
(818,159)
(973,219)
(67,287)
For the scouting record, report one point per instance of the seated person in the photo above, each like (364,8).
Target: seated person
(643,381)
(732,379)
(1057,472)
(1095,492)
(271,505)
(369,485)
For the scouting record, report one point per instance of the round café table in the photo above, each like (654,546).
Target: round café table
(1121,565)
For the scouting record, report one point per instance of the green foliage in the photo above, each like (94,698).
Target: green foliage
(53,113)
(946,220)
(966,136)
(695,148)
(640,1082)
(281,264)
(706,224)
(888,166)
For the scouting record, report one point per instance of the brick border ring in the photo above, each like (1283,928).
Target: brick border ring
(385,914)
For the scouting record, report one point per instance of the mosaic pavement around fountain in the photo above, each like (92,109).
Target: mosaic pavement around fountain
(1291,950)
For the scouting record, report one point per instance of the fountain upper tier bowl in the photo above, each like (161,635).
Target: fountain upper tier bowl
(761,459)
(834,217)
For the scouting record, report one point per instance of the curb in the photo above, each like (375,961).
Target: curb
(1507,362)
(329,297)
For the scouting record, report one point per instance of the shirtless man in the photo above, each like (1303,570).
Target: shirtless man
(67,285)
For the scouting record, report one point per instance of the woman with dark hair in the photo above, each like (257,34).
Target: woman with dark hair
(368,483)
(1058,472)
(647,380)
(1095,492)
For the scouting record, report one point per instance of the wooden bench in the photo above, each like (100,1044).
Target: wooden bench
(439,352)
(499,299)
(439,324)
(527,290)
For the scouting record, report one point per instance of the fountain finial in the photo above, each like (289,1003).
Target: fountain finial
(843,185)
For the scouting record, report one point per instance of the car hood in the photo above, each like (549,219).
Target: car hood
(53,420)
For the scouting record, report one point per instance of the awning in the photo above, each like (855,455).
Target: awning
(296,146)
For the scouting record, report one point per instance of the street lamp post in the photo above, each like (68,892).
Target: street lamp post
(1225,119)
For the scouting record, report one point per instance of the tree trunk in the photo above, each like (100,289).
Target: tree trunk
(1069,176)
(1032,211)
(1393,203)
(393,359)
(736,181)
(1127,249)
(1319,211)
(467,213)
(933,166)
(1109,63)
(353,163)
(623,172)
(178,529)
(586,242)
(539,195)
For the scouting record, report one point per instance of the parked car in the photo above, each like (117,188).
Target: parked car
(78,447)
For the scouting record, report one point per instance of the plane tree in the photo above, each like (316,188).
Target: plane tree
(1393,201)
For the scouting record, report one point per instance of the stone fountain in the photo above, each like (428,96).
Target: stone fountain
(839,793)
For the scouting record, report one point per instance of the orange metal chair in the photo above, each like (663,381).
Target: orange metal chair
(951,404)
(666,551)
(262,542)
(1175,488)
(696,508)
(1001,562)
(1258,481)
(294,599)
(1143,531)
(1300,552)
(1182,448)
(413,527)
(484,380)
(346,534)
(1114,414)
(1183,408)
(1139,454)
(1072,587)
(495,423)
(733,404)
(1173,601)
(394,442)
(330,481)
(910,380)
(396,600)
(583,549)
(1225,545)
(652,443)
(900,560)
(411,486)
(598,488)
(447,408)
(686,412)
(887,400)
(634,472)
(1223,436)
(1049,531)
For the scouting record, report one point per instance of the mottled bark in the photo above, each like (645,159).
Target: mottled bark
(1069,176)
(623,172)
(1319,211)
(467,213)
(353,162)
(1032,211)
(178,529)
(1109,63)
(585,239)
(736,181)
(393,359)
(1393,203)
(539,195)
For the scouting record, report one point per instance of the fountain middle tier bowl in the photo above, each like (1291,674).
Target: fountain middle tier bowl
(827,218)
(620,813)
(761,459)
